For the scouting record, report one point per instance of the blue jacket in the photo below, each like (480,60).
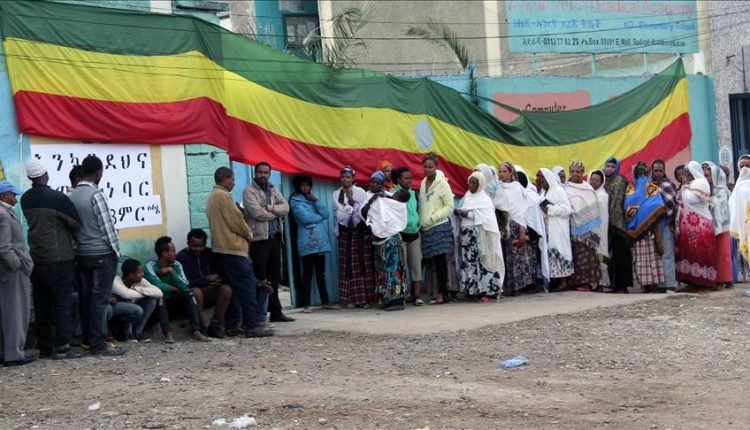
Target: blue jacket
(312,236)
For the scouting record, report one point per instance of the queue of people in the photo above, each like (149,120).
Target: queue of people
(510,234)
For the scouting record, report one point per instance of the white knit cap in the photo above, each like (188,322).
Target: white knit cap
(35,169)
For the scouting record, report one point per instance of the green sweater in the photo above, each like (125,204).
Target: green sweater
(166,282)
(412,214)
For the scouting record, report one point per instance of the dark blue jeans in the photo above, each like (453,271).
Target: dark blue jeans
(52,287)
(237,271)
(184,300)
(96,273)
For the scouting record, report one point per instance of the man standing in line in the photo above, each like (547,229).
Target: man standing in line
(230,237)
(97,253)
(15,268)
(266,209)
(52,221)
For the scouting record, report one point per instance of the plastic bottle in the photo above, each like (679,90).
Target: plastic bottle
(514,362)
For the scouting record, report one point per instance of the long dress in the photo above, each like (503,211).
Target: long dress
(720,212)
(695,244)
(558,227)
(355,249)
(482,268)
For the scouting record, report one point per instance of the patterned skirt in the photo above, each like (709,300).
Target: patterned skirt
(519,268)
(475,279)
(739,265)
(647,263)
(355,266)
(390,270)
(694,250)
(559,266)
(586,268)
(437,240)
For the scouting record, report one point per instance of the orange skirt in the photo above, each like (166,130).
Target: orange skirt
(723,259)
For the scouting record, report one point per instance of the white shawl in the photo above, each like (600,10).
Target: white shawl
(697,194)
(603,198)
(719,199)
(739,203)
(558,215)
(492,187)
(515,197)
(535,220)
(386,217)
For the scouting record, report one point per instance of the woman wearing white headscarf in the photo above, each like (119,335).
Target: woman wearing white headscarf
(519,272)
(597,179)
(695,244)
(499,200)
(535,227)
(739,208)
(557,209)
(482,268)
(720,211)
(560,171)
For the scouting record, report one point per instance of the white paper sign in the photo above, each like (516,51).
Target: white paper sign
(127,180)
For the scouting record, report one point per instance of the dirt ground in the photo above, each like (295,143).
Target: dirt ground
(679,362)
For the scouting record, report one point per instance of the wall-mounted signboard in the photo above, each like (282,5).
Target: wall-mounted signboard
(598,26)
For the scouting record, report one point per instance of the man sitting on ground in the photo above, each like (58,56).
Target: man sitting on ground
(166,274)
(131,289)
(200,269)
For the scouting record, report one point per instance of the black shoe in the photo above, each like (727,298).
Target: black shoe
(258,332)
(68,354)
(281,318)
(110,351)
(216,331)
(21,362)
(235,331)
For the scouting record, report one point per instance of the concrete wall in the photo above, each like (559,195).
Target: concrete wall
(393,19)
(730,32)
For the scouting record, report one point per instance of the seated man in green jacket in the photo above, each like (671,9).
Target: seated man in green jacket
(166,273)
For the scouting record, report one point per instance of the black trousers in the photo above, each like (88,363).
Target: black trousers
(266,256)
(621,262)
(52,291)
(440,264)
(313,263)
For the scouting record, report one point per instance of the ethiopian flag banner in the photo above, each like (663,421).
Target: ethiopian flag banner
(106,75)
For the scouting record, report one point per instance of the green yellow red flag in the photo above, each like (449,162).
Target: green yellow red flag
(106,75)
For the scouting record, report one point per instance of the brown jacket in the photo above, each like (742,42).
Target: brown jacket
(229,232)
(254,200)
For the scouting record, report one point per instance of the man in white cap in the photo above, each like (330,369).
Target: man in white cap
(52,219)
(15,268)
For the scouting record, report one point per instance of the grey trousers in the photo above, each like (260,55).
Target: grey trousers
(15,303)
